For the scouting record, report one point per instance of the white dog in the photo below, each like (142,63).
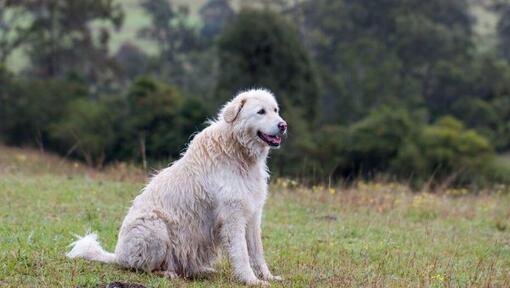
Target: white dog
(212,197)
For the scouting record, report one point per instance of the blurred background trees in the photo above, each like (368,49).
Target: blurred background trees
(417,91)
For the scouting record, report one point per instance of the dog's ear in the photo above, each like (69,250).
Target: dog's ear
(232,110)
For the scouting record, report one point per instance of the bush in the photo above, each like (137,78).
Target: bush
(497,170)
(158,121)
(375,142)
(30,107)
(454,152)
(390,141)
(88,130)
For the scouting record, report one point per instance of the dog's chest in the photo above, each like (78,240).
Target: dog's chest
(249,187)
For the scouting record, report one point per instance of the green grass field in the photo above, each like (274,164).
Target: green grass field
(371,235)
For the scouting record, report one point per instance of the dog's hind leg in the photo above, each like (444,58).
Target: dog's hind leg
(203,272)
(143,244)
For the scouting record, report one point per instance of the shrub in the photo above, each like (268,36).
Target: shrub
(88,130)
(391,141)
(158,121)
(377,140)
(452,150)
(30,107)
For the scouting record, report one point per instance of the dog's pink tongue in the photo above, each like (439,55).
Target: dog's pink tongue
(275,139)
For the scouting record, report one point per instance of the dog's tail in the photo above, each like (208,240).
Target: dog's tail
(88,247)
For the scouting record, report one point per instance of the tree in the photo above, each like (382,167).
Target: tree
(131,60)
(374,143)
(484,104)
(13,28)
(260,49)
(453,152)
(88,130)
(159,121)
(174,36)
(370,53)
(503,29)
(29,107)
(215,15)
(63,42)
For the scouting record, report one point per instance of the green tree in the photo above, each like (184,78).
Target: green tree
(484,104)
(374,52)
(62,40)
(261,49)
(503,30)
(28,108)
(159,121)
(14,24)
(454,153)
(87,130)
(375,142)
(174,35)
(215,14)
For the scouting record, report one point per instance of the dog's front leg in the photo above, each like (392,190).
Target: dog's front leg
(233,232)
(256,250)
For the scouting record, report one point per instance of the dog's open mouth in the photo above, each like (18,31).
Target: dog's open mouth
(271,140)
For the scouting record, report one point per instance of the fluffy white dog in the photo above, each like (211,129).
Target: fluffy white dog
(212,197)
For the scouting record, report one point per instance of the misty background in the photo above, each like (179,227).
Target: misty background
(408,90)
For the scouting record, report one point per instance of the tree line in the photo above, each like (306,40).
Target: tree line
(399,88)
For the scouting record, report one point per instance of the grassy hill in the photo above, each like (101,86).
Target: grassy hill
(370,235)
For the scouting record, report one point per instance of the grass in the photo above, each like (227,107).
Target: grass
(370,235)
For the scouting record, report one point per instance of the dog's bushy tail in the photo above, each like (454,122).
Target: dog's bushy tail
(88,247)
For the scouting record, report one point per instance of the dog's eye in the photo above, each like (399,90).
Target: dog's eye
(275,110)
(261,112)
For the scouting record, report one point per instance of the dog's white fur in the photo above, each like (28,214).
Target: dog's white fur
(211,198)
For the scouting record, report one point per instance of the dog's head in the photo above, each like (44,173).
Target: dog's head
(254,118)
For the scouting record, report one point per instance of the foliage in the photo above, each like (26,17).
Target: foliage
(159,120)
(174,35)
(13,29)
(485,105)
(394,88)
(89,128)
(261,49)
(371,53)
(60,38)
(503,30)
(132,61)
(391,141)
(376,140)
(28,108)
(450,149)
(216,14)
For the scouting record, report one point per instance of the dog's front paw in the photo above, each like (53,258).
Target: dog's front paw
(275,278)
(257,282)
(271,277)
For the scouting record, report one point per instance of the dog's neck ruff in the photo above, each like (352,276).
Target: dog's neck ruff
(246,148)
(220,143)
(236,145)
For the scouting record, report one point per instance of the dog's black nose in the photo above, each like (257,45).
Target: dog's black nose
(282,126)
